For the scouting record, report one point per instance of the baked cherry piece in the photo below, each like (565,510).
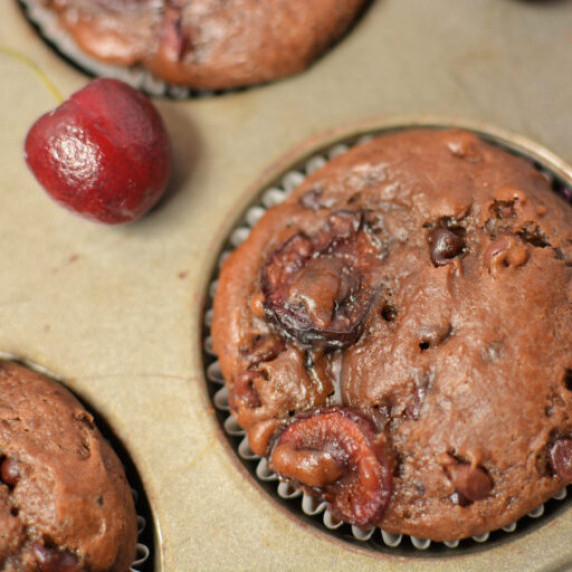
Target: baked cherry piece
(320,288)
(10,472)
(337,454)
(53,560)
(104,153)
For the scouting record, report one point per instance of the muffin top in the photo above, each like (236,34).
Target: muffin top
(395,336)
(210,44)
(65,503)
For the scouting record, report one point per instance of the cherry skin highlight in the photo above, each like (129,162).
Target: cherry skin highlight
(104,153)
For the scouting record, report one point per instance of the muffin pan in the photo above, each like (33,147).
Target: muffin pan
(118,312)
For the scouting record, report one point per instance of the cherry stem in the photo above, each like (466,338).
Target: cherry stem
(36,69)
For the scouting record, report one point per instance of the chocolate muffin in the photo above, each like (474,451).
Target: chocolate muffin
(207,44)
(65,503)
(395,336)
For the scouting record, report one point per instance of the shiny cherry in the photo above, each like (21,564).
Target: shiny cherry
(104,153)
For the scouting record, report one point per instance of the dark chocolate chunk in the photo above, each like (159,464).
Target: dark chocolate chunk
(444,245)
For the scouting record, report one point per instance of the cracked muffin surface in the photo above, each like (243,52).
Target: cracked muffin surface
(422,283)
(208,44)
(65,503)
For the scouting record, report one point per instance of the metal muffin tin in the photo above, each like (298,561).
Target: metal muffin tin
(117,312)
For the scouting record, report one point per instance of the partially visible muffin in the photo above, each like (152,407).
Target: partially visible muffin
(212,44)
(65,503)
(396,335)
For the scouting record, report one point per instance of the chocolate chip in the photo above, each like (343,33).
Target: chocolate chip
(444,245)
(472,483)
(560,458)
(10,472)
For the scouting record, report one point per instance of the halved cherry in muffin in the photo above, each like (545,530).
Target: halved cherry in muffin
(319,289)
(336,454)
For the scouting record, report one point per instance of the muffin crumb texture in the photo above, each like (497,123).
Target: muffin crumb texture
(395,336)
(65,503)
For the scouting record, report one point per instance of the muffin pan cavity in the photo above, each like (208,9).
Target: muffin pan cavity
(45,22)
(272,191)
(193,50)
(146,539)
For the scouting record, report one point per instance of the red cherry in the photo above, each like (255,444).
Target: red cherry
(104,153)
(338,455)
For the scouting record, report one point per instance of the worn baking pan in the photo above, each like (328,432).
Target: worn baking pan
(117,313)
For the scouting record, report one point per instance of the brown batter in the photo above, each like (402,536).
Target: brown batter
(65,503)
(422,281)
(212,44)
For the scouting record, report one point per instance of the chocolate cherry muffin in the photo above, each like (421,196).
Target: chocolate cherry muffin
(212,44)
(65,503)
(395,336)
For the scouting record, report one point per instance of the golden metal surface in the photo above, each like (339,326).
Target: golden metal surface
(117,312)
